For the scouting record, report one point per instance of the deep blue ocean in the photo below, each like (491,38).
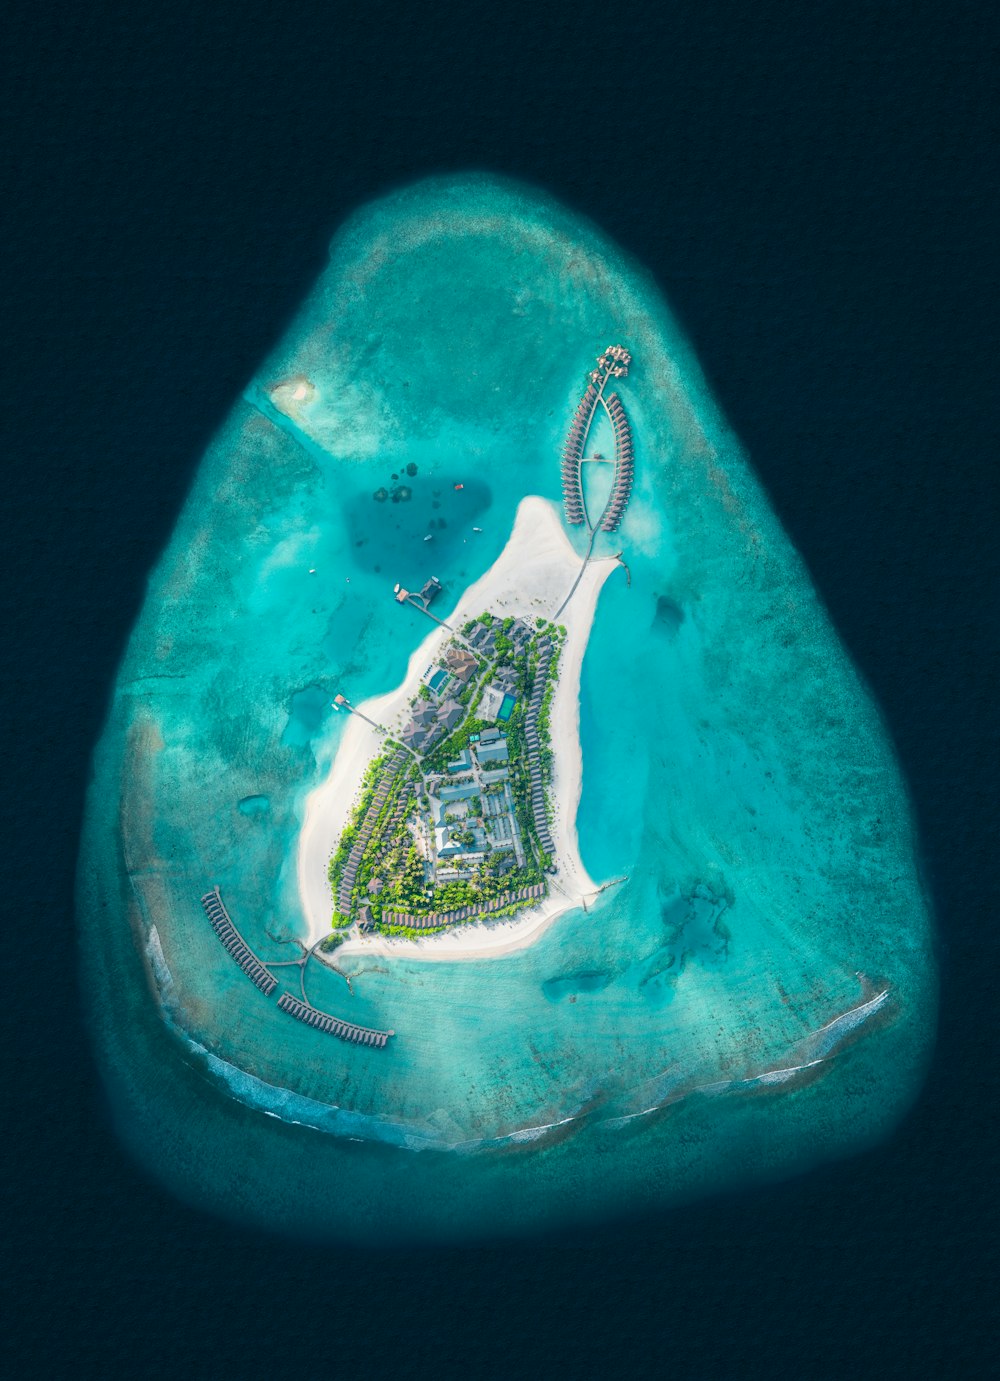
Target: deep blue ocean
(815,195)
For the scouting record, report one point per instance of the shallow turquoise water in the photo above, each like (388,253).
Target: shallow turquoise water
(735,771)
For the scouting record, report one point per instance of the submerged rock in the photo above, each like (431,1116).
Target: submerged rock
(771,928)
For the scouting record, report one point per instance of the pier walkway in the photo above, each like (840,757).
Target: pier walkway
(323,1021)
(234,943)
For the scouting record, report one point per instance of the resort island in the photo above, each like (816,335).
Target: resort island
(464,783)
(485,777)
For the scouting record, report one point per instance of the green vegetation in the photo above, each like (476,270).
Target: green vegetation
(331,942)
(448,749)
(393,875)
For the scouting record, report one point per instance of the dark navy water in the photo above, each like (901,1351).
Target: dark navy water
(815,194)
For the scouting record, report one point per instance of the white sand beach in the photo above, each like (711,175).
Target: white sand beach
(531,577)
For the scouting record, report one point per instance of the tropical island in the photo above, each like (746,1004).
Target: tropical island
(430,410)
(452,800)
(463,804)
(453,819)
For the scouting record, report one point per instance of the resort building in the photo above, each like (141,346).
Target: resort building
(461,663)
(492,752)
(489,705)
(482,639)
(460,791)
(450,714)
(414,736)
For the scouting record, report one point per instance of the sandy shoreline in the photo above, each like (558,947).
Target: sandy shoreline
(530,577)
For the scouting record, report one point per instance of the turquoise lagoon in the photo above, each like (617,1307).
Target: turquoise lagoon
(757,996)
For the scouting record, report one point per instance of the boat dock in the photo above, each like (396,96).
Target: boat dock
(234,943)
(432,588)
(323,1021)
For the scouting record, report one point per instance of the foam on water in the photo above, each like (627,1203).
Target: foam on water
(735,771)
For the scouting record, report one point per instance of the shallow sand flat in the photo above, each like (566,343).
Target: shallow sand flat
(531,577)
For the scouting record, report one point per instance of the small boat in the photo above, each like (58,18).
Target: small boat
(429,537)
(459,486)
(477,529)
(312,570)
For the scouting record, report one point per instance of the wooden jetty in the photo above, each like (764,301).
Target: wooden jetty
(333,1026)
(234,943)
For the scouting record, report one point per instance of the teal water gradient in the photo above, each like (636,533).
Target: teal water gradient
(735,770)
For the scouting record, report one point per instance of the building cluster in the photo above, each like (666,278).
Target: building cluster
(572,455)
(433,718)
(472,811)
(624,468)
(615,361)
(432,919)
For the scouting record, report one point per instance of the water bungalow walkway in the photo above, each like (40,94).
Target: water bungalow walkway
(234,943)
(257,971)
(614,362)
(323,1021)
